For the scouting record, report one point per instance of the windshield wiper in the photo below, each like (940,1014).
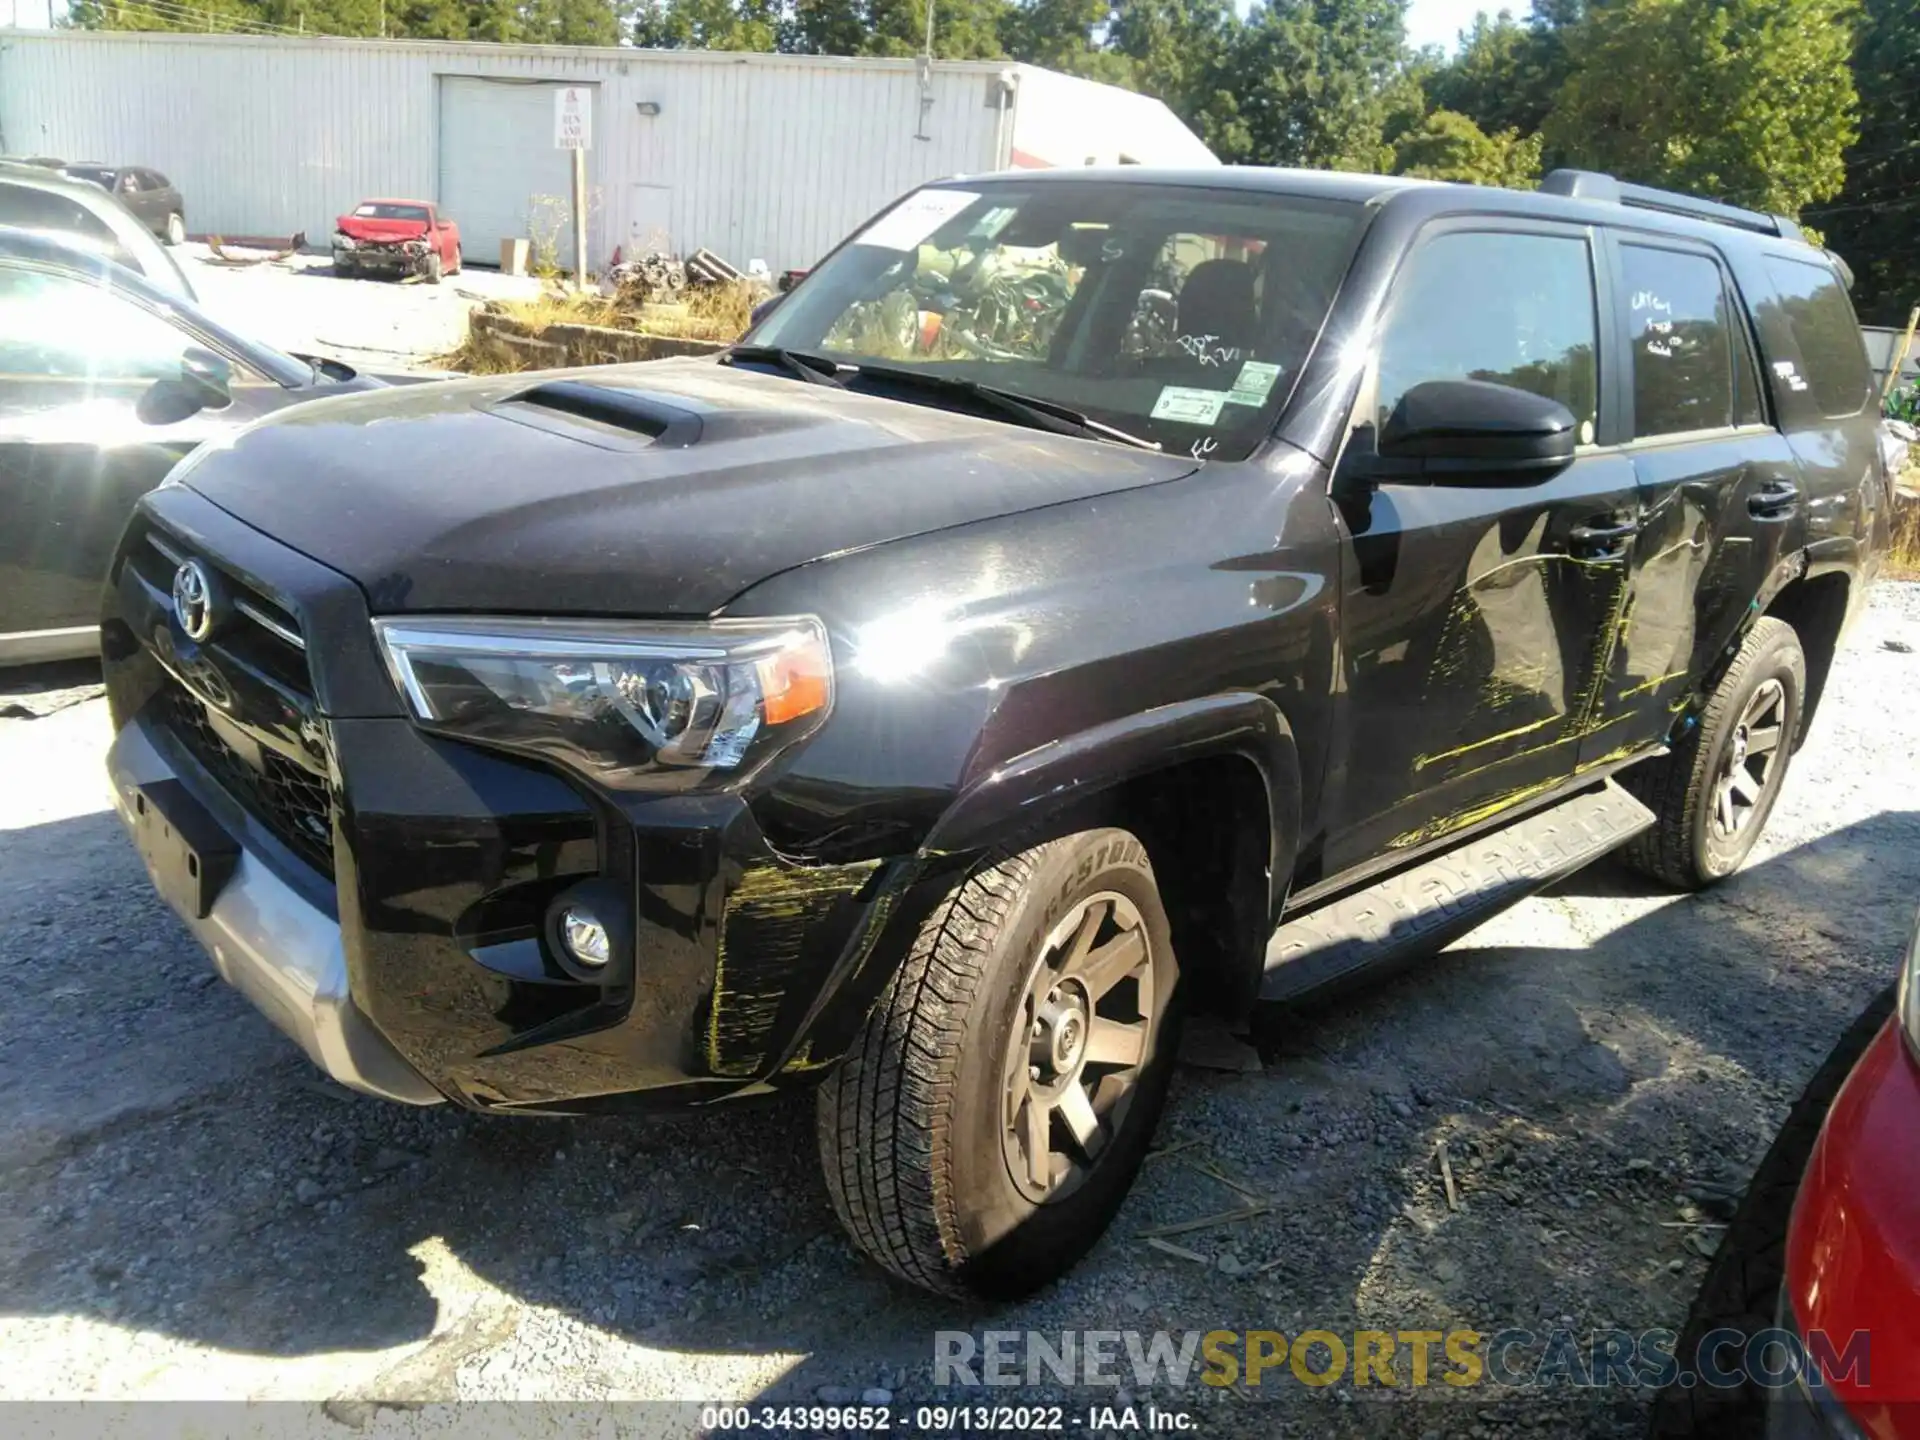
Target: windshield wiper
(814,369)
(1026,409)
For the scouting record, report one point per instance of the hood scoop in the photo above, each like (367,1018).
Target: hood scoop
(599,415)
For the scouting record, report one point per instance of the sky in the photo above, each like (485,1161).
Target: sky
(1439,22)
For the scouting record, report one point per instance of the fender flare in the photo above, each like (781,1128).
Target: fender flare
(1021,791)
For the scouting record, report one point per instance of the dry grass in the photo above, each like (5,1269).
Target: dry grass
(718,312)
(1903,561)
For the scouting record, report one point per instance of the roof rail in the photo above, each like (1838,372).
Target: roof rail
(1594,185)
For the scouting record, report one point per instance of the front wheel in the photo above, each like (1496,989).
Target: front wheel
(433,270)
(1713,793)
(991,1117)
(176,229)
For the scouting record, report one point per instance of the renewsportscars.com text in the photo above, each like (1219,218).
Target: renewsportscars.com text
(1398,1359)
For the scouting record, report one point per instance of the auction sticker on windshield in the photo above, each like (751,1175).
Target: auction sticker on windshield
(915,218)
(1190,407)
(1253,384)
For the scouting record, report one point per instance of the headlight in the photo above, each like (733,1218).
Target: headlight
(1909,1004)
(638,706)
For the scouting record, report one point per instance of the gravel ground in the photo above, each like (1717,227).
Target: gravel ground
(188,1211)
(381,326)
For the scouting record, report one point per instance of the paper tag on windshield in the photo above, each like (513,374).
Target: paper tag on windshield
(1189,407)
(1253,384)
(915,218)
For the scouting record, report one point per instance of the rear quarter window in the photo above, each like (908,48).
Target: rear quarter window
(1833,357)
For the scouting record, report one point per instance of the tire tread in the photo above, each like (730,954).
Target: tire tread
(1676,785)
(884,1116)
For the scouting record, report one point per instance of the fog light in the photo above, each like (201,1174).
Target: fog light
(585,937)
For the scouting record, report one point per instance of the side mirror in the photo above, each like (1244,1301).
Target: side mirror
(205,382)
(1474,432)
(208,375)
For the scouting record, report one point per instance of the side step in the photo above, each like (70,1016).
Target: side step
(1416,911)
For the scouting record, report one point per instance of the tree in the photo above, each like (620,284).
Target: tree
(569,22)
(1180,52)
(1312,82)
(1750,101)
(1449,146)
(706,25)
(1505,75)
(1875,220)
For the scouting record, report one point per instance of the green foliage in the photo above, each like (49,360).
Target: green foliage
(705,25)
(1749,101)
(1875,219)
(1449,146)
(1506,74)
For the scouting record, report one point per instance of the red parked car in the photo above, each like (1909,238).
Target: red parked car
(396,237)
(1822,1258)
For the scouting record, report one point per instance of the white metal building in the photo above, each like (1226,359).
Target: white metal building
(769,157)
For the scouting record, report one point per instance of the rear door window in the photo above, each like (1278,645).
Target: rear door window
(1692,366)
(55,214)
(1515,309)
(1833,357)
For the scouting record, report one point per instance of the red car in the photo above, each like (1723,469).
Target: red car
(396,237)
(1822,1259)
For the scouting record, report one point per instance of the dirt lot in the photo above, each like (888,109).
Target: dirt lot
(188,1211)
(374,325)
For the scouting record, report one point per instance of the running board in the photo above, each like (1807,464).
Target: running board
(1416,911)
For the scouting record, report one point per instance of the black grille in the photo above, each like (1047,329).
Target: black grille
(290,801)
(262,634)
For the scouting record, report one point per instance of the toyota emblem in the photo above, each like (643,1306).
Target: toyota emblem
(193,600)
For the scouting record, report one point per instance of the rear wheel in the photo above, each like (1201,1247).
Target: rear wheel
(176,229)
(993,1113)
(1713,793)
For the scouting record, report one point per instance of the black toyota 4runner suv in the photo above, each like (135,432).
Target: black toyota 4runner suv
(1087,596)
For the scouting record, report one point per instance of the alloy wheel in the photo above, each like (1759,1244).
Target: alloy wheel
(1086,1029)
(1753,760)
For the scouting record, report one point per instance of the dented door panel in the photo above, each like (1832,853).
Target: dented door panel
(1476,627)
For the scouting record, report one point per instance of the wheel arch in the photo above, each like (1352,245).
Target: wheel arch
(1212,788)
(1816,606)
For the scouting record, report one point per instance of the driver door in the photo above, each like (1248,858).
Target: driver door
(75,359)
(1477,615)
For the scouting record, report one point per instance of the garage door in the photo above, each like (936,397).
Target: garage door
(500,177)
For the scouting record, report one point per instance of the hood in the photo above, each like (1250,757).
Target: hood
(664,488)
(361,227)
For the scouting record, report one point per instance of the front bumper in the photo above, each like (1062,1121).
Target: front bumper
(278,949)
(393,895)
(403,257)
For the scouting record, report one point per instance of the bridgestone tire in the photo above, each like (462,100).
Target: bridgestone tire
(910,1125)
(1683,848)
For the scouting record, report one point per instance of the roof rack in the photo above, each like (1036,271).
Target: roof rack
(1594,185)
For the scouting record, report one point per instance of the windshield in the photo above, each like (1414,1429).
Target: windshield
(1181,314)
(384,210)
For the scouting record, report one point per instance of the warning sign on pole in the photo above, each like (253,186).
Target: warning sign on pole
(573,118)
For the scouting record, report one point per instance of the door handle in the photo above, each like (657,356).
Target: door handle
(1775,500)
(1602,540)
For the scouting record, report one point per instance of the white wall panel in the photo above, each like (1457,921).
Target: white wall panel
(755,156)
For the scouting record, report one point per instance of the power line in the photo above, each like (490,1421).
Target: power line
(214,20)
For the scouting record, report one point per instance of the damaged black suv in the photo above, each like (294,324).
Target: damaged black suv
(1087,596)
